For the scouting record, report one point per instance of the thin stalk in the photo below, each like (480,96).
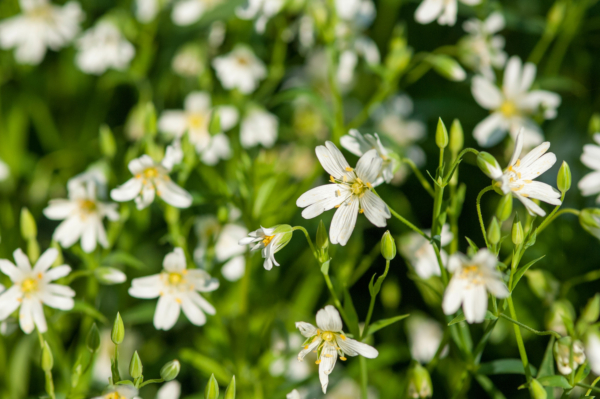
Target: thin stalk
(419,175)
(592,386)
(457,161)
(312,247)
(338,105)
(555,215)
(536,332)
(372,304)
(520,342)
(481,223)
(403,220)
(364,378)
(586,278)
(443,270)
(335,298)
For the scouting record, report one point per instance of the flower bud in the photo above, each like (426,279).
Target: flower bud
(589,219)
(563,180)
(107,142)
(494,233)
(518,235)
(109,275)
(230,391)
(456,136)
(214,126)
(488,165)
(170,371)
(536,390)
(441,134)
(594,126)
(28,226)
(591,312)
(212,389)
(419,382)
(504,208)
(562,354)
(135,366)
(47,359)
(118,331)
(93,339)
(388,246)
(448,67)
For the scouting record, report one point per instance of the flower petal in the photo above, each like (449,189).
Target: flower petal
(328,319)
(328,359)
(127,191)
(490,130)
(57,272)
(343,222)
(375,209)
(173,195)
(167,313)
(193,312)
(486,93)
(332,160)
(352,347)
(306,329)
(369,166)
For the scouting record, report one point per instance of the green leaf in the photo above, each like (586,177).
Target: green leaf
(89,310)
(206,365)
(557,381)
(547,366)
(489,387)
(351,314)
(230,391)
(582,373)
(119,258)
(521,271)
(372,286)
(461,317)
(379,324)
(262,196)
(504,366)
(472,244)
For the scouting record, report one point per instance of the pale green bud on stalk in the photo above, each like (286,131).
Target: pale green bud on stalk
(419,382)
(118,331)
(457,138)
(441,134)
(494,233)
(591,312)
(93,339)
(536,390)
(447,67)
(214,126)
(109,275)
(135,366)
(589,219)
(47,358)
(488,165)
(504,208)
(230,391)
(108,146)
(322,242)
(28,226)
(388,246)
(170,370)
(594,126)
(563,180)
(212,388)
(518,235)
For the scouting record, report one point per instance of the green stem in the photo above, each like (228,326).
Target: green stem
(586,278)
(536,332)
(485,190)
(420,176)
(335,298)
(403,220)
(364,378)
(540,48)
(592,386)
(443,271)
(338,105)
(312,247)
(457,162)
(372,304)
(519,338)
(555,215)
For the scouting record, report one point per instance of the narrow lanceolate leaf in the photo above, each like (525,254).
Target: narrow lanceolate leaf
(230,391)
(472,244)
(461,317)
(379,324)
(504,366)
(557,381)
(212,389)
(521,271)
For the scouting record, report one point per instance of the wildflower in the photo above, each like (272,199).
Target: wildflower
(177,289)
(330,342)
(424,336)
(293,395)
(261,10)
(359,144)
(120,392)
(170,390)
(592,351)
(258,127)
(150,178)
(146,10)
(186,12)
(188,61)
(513,106)
(41,25)
(270,240)
(102,47)
(350,191)
(227,251)
(590,183)
(33,288)
(419,382)
(392,119)
(562,354)
(443,10)
(469,285)
(240,69)
(421,255)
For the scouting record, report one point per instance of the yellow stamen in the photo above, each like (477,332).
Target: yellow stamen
(518,163)
(361,211)
(369,185)
(337,206)
(331,179)
(345,178)
(528,181)
(508,109)
(29,285)
(328,336)
(342,336)
(178,300)
(328,355)
(339,193)
(150,173)
(343,358)
(349,169)
(267,240)
(175,278)
(318,361)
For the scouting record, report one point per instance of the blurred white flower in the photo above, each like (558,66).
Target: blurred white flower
(186,12)
(216,34)
(170,390)
(102,47)
(101,371)
(471,280)
(227,250)
(33,288)
(41,25)
(347,388)
(424,336)
(188,61)
(150,178)
(330,342)
(286,364)
(194,120)
(354,15)
(82,214)
(592,351)
(359,144)
(258,127)
(240,69)
(513,106)
(177,289)
(4,171)
(270,240)
(444,10)
(590,183)
(120,392)
(481,50)
(392,119)
(421,255)
(562,354)
(261,11)
(146,10)
(346,66)
(293,395)
(350,192)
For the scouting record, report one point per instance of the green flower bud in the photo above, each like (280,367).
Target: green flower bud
(118,331)
(107,142)
(419,382)
(447,67)
(170,371)
(212,389)
(441,134)
(388,246)
(109,275)
(230,391)
(537,391)
(456,136)
(488,165)
(563,180)
(594,126)
(591,312)
(589,219)
(93,339)
(214,126)
(47,359)
(28,226)
(518,235)
(494,233)
(135,366)
(504,208)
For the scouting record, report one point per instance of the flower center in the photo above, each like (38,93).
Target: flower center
(150,173)
(359,188)
(87,206)
(114,395)
(508,109)
(175,278)
(29,285)
(472,273)
(43,12)
(196,121)
(242,60)
(328,336)
(267,240)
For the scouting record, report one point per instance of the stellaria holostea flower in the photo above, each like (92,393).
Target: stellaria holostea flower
(170,390)
(590,183)
(120,392)
(592,351)
(258,127)
(102,47)
(444,10)
(359,144)
(293,395)
(32,288)
(187,12)
(270,240)
(424,336)
(240,69)
(177,288)
(261,11)
(562,354)
(421,255)
(329,341)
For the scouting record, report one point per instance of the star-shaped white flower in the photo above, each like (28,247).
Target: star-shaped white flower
(329,341)
(592,351)
(444,10)
(424,336)
(421,255)
(590,183)
(270,241)
(240,69)
(258,127)
(150,179)
(512,107)
(32,288)
(470,283)
(359,144)
(177,288)
(102,47)
(82,214)
(40,26)
(261,10)
(170,390)
(120,392)
(187,12)
(350,192)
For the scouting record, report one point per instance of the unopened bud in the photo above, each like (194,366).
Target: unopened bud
(488,165)
(230,391)
(47,359)
(494,233)
(456,136)
(214,126)
(591,312)
(563,180)
(518,235)
(388,246)
(107,141)
(560,310)
(28,226)
(170,371)
(419,382)
(447,67)
(536,390)
(589,219)
(135,366)
(441,134)
(594,126)
(109,275)
(118,331)
(93,339)
(212,389)
(504,208)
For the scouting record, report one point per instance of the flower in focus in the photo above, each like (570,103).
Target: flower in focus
(330,342)
(424,336)
(170,390)
(420,253)
(481,50)
(350,191)
(186,12)
(4,171)
(258,127)
(590,183)
(471,280)
(41,25)
(444,10)
(120,392)
(150,178)
(359,144)
(562,354)
(102,47)
(261,11)
(33,288)
(177,288)
(240,69)
(512,107)
(270,241)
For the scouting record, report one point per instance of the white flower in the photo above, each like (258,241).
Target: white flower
(518,177)
(562,354)
(150,178)
(392,120)
(4,171)
(41,25)
(481,50)
(146,10)
(350,191)
(347,388)
(258,127)
(102,47)
(177,289)
(33,288)
(592,351)
(227,250)
(443,10)
(261,10)
(270,240)
(421,255)
(471,280)
(186,12)
(194,120)
(188,61)
(240,69)
(120,392)
(82,214)
(359,144)
(170,390)
(293,395)
(330,342)
(590,183)
(424,337)
(512,107)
